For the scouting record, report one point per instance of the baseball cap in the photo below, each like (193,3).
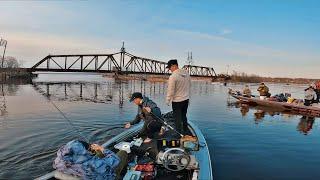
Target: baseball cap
(172,62)
(135,95)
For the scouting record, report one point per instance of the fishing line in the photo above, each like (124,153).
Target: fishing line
(116,127)
(72,125)
(118,124)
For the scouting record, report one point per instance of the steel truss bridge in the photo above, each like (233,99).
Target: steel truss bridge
(121,62)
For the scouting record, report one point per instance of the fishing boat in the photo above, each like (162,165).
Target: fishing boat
(174,160)
(278,106)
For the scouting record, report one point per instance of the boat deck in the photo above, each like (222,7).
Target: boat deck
(202,155)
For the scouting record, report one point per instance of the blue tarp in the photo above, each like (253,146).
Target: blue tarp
(73,158)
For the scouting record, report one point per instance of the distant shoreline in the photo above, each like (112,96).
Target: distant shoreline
(273,80)
(234,78)
(245,78)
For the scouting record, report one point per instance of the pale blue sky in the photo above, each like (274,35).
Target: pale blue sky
(269,38)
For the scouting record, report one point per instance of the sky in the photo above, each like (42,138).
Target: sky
(274,38)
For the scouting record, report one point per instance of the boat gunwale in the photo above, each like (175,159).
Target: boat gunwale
(299,109)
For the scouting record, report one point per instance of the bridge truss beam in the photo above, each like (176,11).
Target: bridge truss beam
(121,62)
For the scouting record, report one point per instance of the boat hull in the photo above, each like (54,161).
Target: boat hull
(280,106)
(202,155)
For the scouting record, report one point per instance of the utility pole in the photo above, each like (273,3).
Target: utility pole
(189,59)
(228,66)
(122,54)
(3,43)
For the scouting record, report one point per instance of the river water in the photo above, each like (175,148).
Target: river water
(244,143)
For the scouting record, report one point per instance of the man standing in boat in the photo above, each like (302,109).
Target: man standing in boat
(178,93)
(263,91)
(147,109)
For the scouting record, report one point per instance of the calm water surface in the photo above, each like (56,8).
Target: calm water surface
(245,143)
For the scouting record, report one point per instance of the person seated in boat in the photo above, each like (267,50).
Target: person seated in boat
(309,96)
(280,97)
(147,110)
(263,91)
(90,161)
(246,91)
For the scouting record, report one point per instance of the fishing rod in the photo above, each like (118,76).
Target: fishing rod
(72,125)
(166,124)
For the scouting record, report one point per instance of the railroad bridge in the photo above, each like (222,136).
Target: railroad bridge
(121,62)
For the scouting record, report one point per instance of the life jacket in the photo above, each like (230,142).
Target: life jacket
(264,90)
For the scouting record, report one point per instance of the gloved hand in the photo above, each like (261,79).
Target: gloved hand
(127,126)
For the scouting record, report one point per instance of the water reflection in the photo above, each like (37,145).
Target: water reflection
(244,109)
(3,104)
(305,124)
(6,90)
(259,112)
(74,91)
(98,92)
(99,105)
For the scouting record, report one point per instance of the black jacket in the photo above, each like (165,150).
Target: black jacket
(147,117)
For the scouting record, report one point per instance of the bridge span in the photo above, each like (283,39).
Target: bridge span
(121,62)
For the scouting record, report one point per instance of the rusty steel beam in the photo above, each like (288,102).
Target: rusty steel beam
(90,62)
(74,62)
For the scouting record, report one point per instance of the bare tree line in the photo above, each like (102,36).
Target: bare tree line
(252,78)
(11,62)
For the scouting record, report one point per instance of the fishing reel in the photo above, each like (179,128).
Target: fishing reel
(174,159)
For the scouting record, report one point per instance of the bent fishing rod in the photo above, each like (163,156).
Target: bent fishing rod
(72,125)
(166,124)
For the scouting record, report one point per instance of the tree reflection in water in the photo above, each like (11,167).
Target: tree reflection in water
(6,90)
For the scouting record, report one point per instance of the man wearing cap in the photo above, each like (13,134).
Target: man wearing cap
(309,96)
(263,91)
(147,109)
(178,93)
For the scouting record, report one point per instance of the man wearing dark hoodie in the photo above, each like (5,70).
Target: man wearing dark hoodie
(178,93)
(147,109)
